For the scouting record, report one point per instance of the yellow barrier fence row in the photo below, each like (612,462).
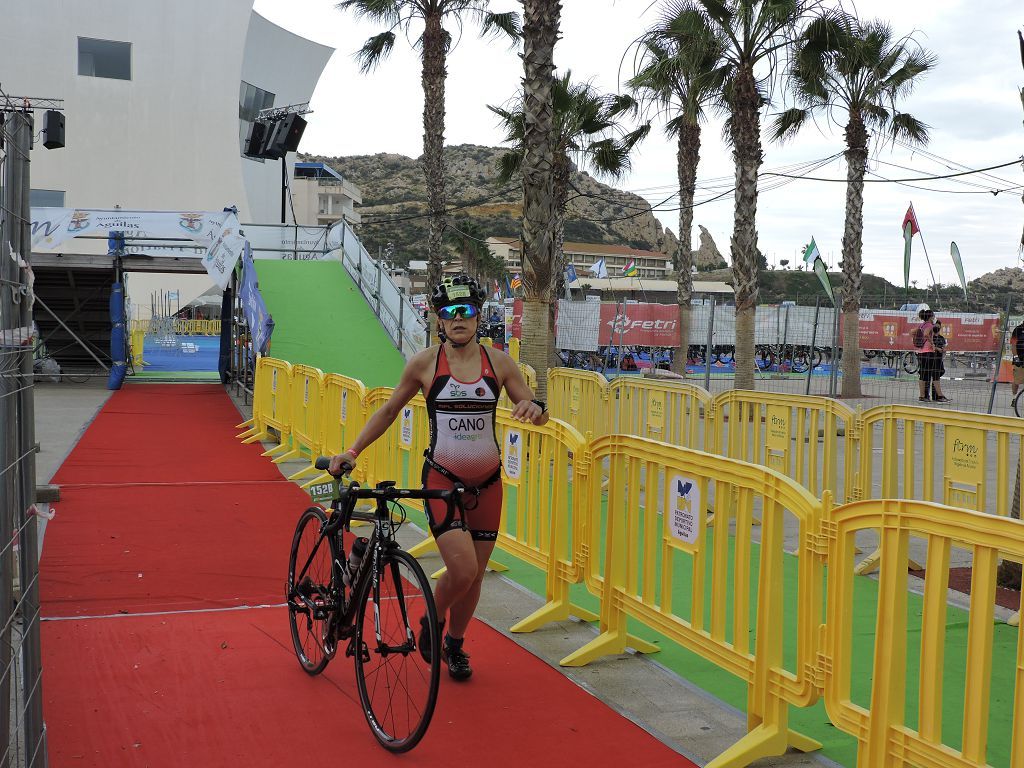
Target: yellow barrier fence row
(883,729)
(659,557)
(181,327)
(643,546)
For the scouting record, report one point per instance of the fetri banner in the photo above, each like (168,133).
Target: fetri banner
(964,332)
(647,325)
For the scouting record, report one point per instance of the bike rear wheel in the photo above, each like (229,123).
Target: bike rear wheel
(397,686)
(312,594)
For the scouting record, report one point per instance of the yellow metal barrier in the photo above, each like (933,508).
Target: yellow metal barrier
(579,398)
(655,569)
(307,390)
(271,406)
(398,454)
(544,473)
(671,412)
(136,342)
(907,452)
(197,327)
(811,440)
(884,736)
(342,417)
(513,348)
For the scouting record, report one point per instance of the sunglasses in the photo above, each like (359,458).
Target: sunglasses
(457,310)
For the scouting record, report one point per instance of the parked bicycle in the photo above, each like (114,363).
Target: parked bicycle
(372,602)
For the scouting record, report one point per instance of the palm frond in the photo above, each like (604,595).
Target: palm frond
(496,25)
(787,124)
(388,12)
(374,51)
(909,129)
(509,165)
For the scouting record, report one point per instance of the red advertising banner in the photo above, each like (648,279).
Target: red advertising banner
(963,332)
(646,325)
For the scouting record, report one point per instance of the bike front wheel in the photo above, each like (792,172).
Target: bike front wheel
(397,678)
(312,593)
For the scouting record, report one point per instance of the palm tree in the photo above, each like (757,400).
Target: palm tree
(680,79)
(477,258)
(541,21)
(753,34)
(433,43)
(586,133)
(861,71)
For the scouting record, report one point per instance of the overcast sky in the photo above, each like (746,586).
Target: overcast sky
(970,101)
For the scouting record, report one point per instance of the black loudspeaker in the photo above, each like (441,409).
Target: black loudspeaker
(285,136)
(53,127)
(254,139)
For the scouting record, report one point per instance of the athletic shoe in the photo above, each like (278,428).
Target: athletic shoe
(457,661)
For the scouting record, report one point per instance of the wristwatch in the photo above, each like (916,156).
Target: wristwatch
(542,404)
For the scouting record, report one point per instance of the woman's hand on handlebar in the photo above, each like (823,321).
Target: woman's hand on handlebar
(343,463)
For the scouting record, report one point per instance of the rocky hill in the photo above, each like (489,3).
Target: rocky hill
(394,186)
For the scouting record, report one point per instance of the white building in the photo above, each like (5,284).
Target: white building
(157,97)
(323,196)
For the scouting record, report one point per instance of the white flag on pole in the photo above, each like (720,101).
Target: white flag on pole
(599,269)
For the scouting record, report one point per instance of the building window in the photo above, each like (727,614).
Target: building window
(104,58)
(250,101)
(46,198)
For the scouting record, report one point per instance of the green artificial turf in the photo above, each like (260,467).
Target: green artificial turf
(321,319)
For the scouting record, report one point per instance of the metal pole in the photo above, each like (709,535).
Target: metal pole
(8,432)
(710,342)
(814,339)
(999,357)
(835,352)
(284,185)
(29,540)
(72,333)
(785,336)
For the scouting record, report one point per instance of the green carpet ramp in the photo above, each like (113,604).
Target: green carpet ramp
(321,319)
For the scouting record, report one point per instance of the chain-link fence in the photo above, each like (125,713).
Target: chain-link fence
(800,349)
(20,666)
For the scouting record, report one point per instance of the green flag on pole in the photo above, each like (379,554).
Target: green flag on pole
(908,236)
(811,253)
(822,272)
(955,253)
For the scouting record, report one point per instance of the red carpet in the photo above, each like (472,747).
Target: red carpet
(163,511)
(224,689)
(168,548)
(158,433)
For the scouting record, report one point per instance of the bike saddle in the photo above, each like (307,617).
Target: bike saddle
(386,484)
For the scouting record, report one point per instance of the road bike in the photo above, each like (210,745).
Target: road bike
(372,604)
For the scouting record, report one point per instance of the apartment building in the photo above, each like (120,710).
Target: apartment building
(323,196)
(650,264)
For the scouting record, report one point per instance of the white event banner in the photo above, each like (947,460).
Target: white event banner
(216,233)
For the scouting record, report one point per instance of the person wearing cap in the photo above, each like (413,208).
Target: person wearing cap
(929,360)
(461,382)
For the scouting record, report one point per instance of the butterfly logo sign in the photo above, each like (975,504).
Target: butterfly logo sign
(513,455)
(406,426)
(685,519)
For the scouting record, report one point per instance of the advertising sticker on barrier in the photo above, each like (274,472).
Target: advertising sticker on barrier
(344,406)
(965,449)
(777,440)
(656,413)
(513,455)
(406,426)
(684,522)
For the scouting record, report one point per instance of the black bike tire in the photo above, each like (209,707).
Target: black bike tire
(365,598)
(911,364)
(317,516)
(1016,403)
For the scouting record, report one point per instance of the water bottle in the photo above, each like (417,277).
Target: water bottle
(354,557)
